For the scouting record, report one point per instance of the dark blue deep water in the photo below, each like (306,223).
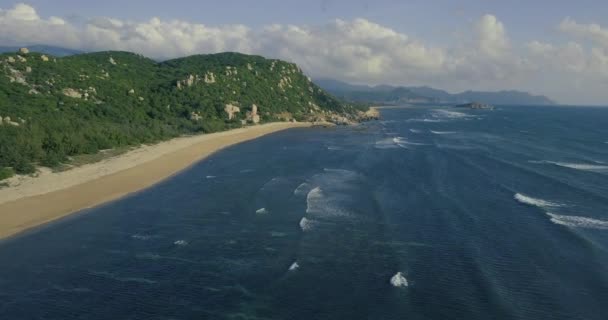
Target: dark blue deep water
(487,215)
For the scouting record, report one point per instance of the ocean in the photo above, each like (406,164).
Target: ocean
(430,213)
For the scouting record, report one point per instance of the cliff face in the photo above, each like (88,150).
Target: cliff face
(63,106)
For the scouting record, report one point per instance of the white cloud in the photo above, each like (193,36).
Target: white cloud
(355,50)
(492,36)
(592,31)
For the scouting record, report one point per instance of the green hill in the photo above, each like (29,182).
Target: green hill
(53,108)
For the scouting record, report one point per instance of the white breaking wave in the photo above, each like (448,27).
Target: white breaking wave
(318,204)
(443,132)
(387,143)
(577,166)
(302,189)
(142,236)
(423,120)
(449,114)
(396,142)
(307,224)
(415,131)
(181,243)
(398,280)
(535,202)
(294,266)
(334,148)
(578,222)
(210,177)
(261,211)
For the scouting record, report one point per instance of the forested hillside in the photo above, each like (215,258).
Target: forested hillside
(52,108)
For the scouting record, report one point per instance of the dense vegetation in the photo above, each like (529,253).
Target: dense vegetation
(54,108)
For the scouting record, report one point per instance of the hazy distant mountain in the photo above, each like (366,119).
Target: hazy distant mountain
(51,50)
(393,95)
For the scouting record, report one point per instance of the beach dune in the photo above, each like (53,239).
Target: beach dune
(32,201)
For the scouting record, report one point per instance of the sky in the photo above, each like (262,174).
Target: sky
(556,48)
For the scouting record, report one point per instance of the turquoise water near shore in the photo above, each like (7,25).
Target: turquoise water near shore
(486,214)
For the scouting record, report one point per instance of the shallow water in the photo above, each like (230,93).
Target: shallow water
(432,213)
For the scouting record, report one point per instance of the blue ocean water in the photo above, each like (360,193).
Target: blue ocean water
(485,214)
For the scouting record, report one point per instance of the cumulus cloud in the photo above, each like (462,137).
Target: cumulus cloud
(355,50)
(592,31)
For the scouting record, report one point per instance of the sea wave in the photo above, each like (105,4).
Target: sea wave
(441,113)
(261,211)
(415,131)
(109,275)
(307,224)
(535,202)
(321,205)
(143,237)
(387,143)
(398,280)
(294,266)
(576,166)
(423,120)
(578,222)
(396,142)
(443,132)
(181,243)
(302,189)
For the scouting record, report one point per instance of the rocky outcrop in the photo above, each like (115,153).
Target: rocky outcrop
(195,116)
(24,51)
(10,60)
(21,59)
(371,114)
(231,110)
(72,93)
(7,120)
(112,61)
(209,77)
(253,116)
(132,91)
(231,71)
(44,58)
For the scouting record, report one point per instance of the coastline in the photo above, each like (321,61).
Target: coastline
(32,201)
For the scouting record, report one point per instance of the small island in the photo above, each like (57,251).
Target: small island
(476,105)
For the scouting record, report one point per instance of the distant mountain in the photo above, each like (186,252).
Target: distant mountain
(50,50)
(387,94)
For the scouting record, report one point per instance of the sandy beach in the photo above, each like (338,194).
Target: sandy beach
(31,201)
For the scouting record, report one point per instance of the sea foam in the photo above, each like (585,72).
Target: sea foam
(535,202)
(576,166)
(578,222)
(307,224)
(294,266)
(398,280)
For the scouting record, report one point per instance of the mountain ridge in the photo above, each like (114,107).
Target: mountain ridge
(424,94)
(53,108)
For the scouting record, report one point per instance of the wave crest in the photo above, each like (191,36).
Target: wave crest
(535,202)
(578,222)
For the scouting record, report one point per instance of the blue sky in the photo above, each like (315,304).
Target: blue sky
(557,48)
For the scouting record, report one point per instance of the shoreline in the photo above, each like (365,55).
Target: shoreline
(30,202)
